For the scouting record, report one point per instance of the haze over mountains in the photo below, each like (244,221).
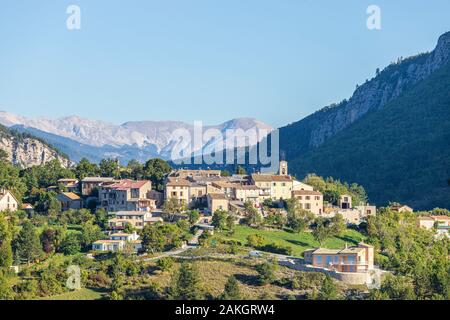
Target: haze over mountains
(95,140)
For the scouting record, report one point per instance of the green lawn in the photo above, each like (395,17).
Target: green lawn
(82,294)
(298,241)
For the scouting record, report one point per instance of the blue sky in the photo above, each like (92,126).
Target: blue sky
(209,60)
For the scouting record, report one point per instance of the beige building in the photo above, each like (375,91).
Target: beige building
(177,188)
(89,184)
(8,201)
(400,208)
(137,219)
(440,223)
(310,200)
(345,201)
(246,193)
(217,201)
(196,173)
(72,185)
(273,187)
(297,185)
(349,259)
(126,195)
(118,242)
(69,200)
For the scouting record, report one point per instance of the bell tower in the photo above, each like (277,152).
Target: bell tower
(283,168)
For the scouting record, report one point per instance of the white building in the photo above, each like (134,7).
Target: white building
(8,201)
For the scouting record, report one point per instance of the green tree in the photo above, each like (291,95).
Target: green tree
(27,245)
(160,237)
(256,240)
(297,218)
(321,229)
(219,219)
(266,272)
(193,216)
(134,170)
(110,168)
(328,291)
(231,290)
(70,245)
(156,170)
(186,283)
(6,254)
(89,234)
(165,263)
(253,217)
(85,168)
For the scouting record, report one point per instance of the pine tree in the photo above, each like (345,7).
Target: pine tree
(231,290)
(187,283)
(27,245)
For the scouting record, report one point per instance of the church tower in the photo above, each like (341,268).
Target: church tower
(283,168)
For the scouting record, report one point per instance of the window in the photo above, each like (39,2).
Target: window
(369,211)
(181,193)
(283,184)
(274,184)
(319,259)
(307,197)
(351,260)
(328,260)
(307,206)
(174,193)
(336,259)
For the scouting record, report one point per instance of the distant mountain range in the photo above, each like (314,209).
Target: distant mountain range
(95,140)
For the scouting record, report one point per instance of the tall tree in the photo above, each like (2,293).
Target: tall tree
(27,244)
(156,170)
(231,290)
(85,168)
(186,283)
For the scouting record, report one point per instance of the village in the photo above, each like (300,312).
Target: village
(133,204)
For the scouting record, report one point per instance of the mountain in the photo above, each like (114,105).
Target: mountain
(26,150)
(96,140)
(389,84)
(392,136)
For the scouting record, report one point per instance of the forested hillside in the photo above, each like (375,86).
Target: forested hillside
(399,153)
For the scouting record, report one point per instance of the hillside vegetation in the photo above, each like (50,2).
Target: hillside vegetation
(399,153)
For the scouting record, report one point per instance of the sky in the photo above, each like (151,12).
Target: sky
(205,60)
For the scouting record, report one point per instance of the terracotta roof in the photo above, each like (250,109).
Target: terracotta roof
(71,195)
(67,180)
(440,217)
(217,196)
(130,213)
(247,187)
(178,182)
(270,178)
(426,218)
(27,206)
(127,184)
(97,179)
(306,193)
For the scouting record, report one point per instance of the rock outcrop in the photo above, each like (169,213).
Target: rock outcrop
(26,151)
(387,85)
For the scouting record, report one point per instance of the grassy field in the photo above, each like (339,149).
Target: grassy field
(82,294)
(298,241)
(214,274)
